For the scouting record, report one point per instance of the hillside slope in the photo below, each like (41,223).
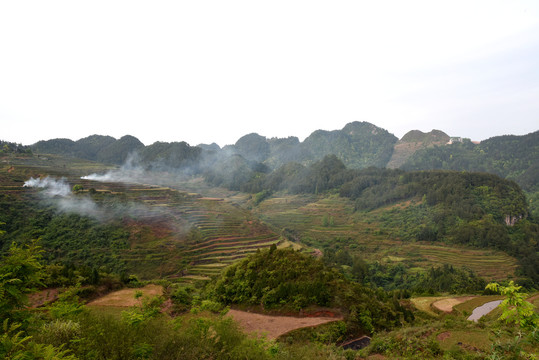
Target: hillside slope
(413,141)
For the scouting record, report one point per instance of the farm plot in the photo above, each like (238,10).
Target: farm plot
(275,326)
(362,234)
(188,236)
(126,297)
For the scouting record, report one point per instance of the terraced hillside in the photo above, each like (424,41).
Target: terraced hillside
(330,222)
(173,233)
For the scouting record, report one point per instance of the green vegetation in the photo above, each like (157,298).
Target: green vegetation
(7,147)
(511,157)
(67,330)
(507,156)
(284,278)
(366,241)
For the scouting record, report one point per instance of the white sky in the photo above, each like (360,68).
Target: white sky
(212,71)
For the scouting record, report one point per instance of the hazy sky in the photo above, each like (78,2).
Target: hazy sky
(212,71)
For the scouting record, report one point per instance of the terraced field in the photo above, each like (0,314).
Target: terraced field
(185,235)
(174,234)
(178,233)
(302,217)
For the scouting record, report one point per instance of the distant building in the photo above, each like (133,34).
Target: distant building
(456,139)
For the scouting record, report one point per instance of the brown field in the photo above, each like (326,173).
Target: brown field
(275,326)
(126,297)
(446,305)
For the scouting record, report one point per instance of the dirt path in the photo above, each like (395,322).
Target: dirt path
(446,305)
(274,326)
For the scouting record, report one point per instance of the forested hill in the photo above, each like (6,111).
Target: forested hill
(358,145)
(509,156)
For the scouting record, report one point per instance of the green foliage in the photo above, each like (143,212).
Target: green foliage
(7,147)
(67,305)
(277,278)
(194,337)
(12,342)
(253,147)
(409,347)
(211,306)
(97,148)
(182,295)
(261,196)
(508,156)
(164,156)
(358,144)
(20,273)
(149,309)
(515,309)
(76,239)
(291,280)
(517,312)
(15,346)
(328,221)
(60,331)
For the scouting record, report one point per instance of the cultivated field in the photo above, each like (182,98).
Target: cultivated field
(363,235)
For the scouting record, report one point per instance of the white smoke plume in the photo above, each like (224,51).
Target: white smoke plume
(52,187)
(130,172)
(58,192)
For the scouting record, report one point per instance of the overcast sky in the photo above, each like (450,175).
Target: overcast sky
(212,71)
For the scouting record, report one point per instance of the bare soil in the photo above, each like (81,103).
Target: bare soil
(126,297)
(446,305)
(42,297)
(275,326)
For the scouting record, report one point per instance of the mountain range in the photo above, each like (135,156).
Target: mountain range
(358,145)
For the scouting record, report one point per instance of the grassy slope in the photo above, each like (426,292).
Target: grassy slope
(363,234)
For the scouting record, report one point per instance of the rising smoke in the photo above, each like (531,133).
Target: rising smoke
(52,187)
(58,193)
(135,171)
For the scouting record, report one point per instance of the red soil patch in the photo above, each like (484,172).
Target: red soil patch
(275,326)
